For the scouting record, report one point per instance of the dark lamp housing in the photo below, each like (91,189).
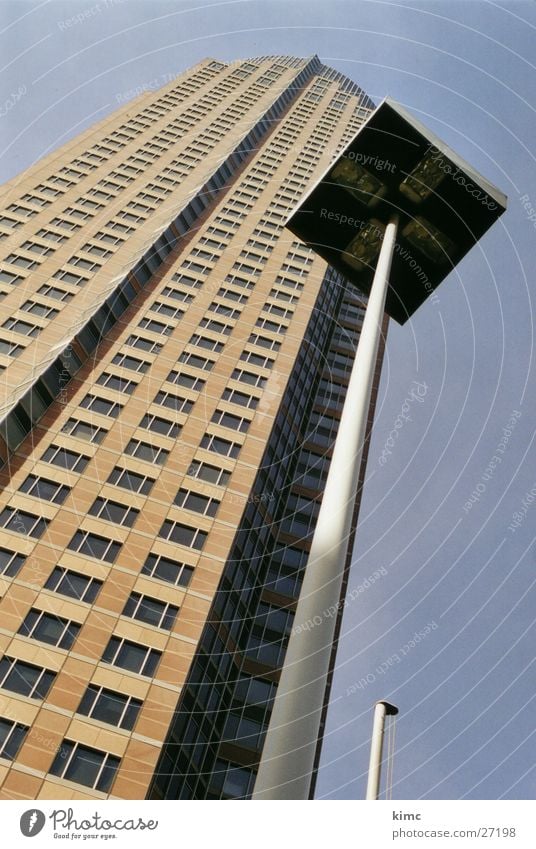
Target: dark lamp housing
(395,165)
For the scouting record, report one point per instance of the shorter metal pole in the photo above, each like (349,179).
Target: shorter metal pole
(381,710)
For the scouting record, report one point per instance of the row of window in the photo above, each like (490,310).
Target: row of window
(124,172)
(86,588)
(33,681)
(61,633)
(74,761)
(95,545)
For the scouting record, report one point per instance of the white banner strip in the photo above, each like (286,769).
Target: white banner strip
(374,825)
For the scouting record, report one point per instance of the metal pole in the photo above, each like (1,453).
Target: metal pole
(287,761)
(381,710)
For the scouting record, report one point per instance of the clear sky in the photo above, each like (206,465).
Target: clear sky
(463,576)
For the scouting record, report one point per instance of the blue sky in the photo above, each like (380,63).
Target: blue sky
(461,576)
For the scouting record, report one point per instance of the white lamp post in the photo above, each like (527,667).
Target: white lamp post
(416,195)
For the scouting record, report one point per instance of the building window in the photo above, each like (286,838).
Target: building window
(78,213)
(272,326)
(95,249)
(173,402)
(84,765)
(101,405)
(25,678)
(283,296)
(10,562)
(21,210)
(131,480)
(10,349)
(50,629)
(269,635)
(53,237)
(151,611)
(230,295)
(69,277)
(121,228)
(12,736)
(220,446)
(147,452)
(12,223)
(85,264)
(144,344)
(216,326)
(67,225)
(208,473)
(256,359)
(167,310)
(236,397)
(244,731)
(23,523)
(111,707)
(156,327)
(302,514)
(187,380)
(177,295)
(100,195)
(83,430)
(205,342)
(157,566)
(39,309)
(183,534)
(113,511)
(161,426)
(249,377)
(8,277)
(245,268)
(221,309)
(56,180)
(65,459)
(196,361)
(196,267)
(132,363)
(43,488)
(254,691)
(186,280)
(21,261)
(311,470)
(44,190)
(73,584)
(225,419)
(128,216)
(118,384)
(93,545)
(231,780)
(197,503)
(243,282)
(132,656)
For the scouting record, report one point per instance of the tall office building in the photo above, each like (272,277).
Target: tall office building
(174,364)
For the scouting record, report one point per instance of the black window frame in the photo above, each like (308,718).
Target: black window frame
(61,577)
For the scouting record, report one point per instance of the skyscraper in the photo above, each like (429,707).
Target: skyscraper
(174,365)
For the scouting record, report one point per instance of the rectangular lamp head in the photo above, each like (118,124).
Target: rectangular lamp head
(396,165)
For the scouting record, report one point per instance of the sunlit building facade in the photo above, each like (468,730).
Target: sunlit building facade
(173,366)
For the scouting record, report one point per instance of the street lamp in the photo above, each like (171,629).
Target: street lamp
(394,214)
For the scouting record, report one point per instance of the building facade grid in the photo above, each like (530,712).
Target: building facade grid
(174,362)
